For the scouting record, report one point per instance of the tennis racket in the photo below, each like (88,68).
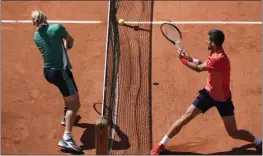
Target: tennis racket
(172,34)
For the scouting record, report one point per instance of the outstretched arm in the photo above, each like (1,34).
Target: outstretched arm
(198,68)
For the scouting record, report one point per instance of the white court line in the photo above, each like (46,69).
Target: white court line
(139,22)
(196,22)
(52,21)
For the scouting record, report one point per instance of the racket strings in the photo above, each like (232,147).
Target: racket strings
(171,33)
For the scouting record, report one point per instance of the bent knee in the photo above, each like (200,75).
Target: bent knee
(72,101)
(74,105)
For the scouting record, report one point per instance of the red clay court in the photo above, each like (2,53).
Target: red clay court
(32,109)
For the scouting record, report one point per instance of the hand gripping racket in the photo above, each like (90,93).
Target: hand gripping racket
(172,34)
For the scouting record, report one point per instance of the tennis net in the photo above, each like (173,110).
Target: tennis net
(110,91)
(127,77)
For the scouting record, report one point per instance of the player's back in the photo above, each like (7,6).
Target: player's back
(50,43)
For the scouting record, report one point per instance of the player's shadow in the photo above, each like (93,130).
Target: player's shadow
(72,152)
(243,150)
(123,142)
(88,137)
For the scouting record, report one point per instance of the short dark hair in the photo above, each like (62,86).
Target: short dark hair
(217,36)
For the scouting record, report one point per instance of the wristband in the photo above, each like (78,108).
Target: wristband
(195,61)
(184,60)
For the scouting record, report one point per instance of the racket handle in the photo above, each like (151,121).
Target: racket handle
(180,49)
(178,46)
(179,53)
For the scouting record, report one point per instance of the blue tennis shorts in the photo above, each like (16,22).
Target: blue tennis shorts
(205,102)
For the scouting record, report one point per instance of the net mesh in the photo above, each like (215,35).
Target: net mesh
(111,66)
(127,90)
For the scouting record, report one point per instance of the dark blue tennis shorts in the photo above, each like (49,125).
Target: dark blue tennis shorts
(63,79)
(205,102)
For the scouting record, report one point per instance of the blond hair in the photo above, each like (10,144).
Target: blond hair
(38,17)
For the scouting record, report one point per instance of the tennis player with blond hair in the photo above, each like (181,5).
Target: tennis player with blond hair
(49,39)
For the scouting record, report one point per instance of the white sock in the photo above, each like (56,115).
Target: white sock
(257,141)
(165,140)
(67,135)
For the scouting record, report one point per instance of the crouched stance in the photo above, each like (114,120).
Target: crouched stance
(216,93)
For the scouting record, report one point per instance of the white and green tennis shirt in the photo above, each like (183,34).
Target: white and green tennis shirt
(49,40)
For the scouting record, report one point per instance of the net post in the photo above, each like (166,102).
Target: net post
(102,133)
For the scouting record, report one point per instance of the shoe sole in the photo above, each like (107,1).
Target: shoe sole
(158,153)
(69,148)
